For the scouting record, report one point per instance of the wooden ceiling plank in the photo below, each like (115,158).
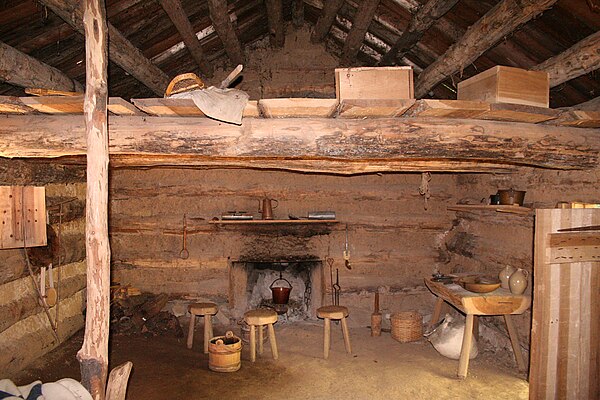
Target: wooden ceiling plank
(499,22)
(312,140)
(165,107)
(297,108)
(14,105)
(519,113)
(420,22)
(325,21)
(373,108)
(121,51)
(224,28)
(20,69)
(275,17)
(175,11)
(447,108)
(55,104)
(118,106)
(578,60)
(362,19)
(580,118)
(298,13)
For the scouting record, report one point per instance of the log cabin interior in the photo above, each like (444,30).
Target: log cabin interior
(370,155)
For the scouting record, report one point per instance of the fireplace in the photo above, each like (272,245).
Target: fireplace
(250,281)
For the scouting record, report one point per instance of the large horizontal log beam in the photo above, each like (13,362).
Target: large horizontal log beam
(311,144)
(20,69)
(120,50)
(498,23)
(578,60)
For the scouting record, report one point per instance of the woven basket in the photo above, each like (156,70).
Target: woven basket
(407,326)
(184,83)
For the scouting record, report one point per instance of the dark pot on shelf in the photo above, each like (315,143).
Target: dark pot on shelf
(511,197)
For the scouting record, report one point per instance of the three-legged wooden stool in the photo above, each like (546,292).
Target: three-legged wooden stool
(258,318)
(334,312)
(207,310)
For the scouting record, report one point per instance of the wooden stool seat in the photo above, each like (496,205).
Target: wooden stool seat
(207,310)
(259,318)
(334,312)
(203,308)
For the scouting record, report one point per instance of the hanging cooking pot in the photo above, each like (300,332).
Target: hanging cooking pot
(281,294)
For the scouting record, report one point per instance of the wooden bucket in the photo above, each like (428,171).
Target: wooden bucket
(224,353)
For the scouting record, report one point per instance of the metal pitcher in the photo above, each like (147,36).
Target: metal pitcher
(266,208)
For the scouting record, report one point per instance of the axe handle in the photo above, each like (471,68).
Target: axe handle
(231,77)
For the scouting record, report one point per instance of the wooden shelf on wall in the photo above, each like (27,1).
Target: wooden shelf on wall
(488,207)
(273,221)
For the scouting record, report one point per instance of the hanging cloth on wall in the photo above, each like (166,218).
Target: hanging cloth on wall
(424,188)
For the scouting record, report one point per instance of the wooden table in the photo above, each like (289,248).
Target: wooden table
(499,302)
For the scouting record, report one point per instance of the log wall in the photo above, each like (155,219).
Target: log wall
(487,241)
(393,241)
(25,332)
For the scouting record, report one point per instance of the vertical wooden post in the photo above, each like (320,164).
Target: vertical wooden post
(93,355)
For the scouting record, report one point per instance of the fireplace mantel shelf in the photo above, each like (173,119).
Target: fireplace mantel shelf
(274,222)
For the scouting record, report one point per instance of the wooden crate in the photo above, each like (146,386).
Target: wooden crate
(507,85)
(23,216)
(565,332)
(367,83)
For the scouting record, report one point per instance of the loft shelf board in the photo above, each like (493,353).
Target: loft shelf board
(488,207)
(274,222)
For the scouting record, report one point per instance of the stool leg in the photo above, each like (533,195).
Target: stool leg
(252,343)
(207,329)
(514,340)
(273,341)
(326,338)
(261,338)
(465,351)
(190,338)
(346,336)
(211,334)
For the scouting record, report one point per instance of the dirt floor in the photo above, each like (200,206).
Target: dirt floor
(380,368)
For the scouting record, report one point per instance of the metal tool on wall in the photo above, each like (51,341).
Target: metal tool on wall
(336,288)
(184,253)
(347,251)
(330,261)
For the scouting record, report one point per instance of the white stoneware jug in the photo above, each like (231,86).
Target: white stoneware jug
(504,276)
(518,281)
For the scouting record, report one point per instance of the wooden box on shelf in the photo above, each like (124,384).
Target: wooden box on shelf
(378,83)
(502,84)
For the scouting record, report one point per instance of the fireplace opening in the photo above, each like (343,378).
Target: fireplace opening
(250,287)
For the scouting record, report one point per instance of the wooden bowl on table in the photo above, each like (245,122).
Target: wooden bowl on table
(479,284)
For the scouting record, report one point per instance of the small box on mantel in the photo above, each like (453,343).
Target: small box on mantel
(502,84)
(374,83)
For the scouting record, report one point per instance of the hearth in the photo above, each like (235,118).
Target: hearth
(250,283)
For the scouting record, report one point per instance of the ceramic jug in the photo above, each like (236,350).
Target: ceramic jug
(518,281)
(504,276)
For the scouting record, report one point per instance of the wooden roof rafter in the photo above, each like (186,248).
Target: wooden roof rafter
(276,27)
(224,28)
(20,69)
(420,22)
(360,25)
(175,11)
(497,23)
(121,51)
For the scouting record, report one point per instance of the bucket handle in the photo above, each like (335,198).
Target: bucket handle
(280,279)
